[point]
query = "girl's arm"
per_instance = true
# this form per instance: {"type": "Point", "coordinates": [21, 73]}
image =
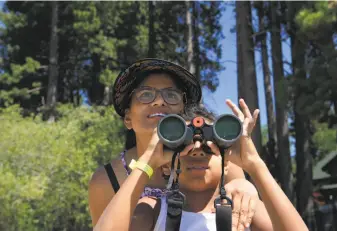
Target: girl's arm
{"type": "Point", "coordinates": [281, 211]}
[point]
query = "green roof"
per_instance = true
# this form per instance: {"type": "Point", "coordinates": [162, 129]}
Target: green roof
{"type": "Point", "coordinates": [329, 186]}
{"type": "Point", "coordinates": [318, 173]}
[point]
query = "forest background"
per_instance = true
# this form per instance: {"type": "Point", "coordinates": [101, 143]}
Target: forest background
{"type": "Point", "coordinates": [59, 60]}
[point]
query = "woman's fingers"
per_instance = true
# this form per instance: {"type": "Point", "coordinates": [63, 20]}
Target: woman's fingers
{"type": "Point", "coordinates": [214, 148]}
{"type": "Point", "coordinates": [197, 144]}
{"type": "Point", "coordinates": [237, 197]}
{"type": "Point", "coordinates": [251, 211]}
{"type": "Point", "coordinates": [186, 150]}
{"type": "Point", "coordinates": [243, 212]}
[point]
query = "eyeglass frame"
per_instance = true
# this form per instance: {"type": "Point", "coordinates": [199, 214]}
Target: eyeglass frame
{"type": "Point", "coordinates": [183, 94]}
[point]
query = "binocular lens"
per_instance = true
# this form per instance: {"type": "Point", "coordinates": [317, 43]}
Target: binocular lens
{"type": "Point", "coordinates": [172, 128]}
{"type": "Point", "coordinates": [228, 127]}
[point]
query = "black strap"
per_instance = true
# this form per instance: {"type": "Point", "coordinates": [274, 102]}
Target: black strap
{"type": "Point", "coordinates": [174, 198]}
{"type": "Point", "coordinates": [175, 202]}
{"type": "Point", "coordinates": [223, 205]}
{"type": "Point", "coordinates": [223, 217]}
{"type": "Point", "coordinates": [170, 182]}
{"type": "Point", "coordinates": [112, 177]}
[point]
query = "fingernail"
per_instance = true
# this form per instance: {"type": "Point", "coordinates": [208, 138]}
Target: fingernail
{"type": "Point", "coordinates": [247, 225]}
{"type": "Point", "coordinates": [197, 144]}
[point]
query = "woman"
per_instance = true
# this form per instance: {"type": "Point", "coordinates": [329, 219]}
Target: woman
{"type": "Point", "coordinates": [144, 93]}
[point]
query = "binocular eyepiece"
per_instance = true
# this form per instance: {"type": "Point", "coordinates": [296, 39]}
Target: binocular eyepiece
{"type": "Point", "coordinates": [176, 134]}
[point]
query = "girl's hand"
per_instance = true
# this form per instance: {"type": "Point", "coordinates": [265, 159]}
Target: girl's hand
{"type": "Point", "coordinates": [244, 154]}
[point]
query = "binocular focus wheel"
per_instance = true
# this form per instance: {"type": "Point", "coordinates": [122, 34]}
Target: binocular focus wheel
{"type": "Point", "coordinates": [198, 122]}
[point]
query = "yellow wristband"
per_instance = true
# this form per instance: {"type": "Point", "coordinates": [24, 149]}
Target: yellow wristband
{"type": "Point", "coordinates": [142, 166]}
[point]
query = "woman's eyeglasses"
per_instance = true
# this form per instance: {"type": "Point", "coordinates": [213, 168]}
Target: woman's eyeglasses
{"type": "Point", "coordinates": [148, 95]}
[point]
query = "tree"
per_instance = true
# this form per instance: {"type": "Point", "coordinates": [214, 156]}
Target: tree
{"type": "Point", "coordinates": [246, 64]}
{"type": "Point", "coordinates": [53, 64]}
{"type": "Point", "coordinates": [152, 34]}
{"type": "Point", "coordinates": [281, 102]}
{"type": "Point", "coordinates": [190, 37]}
{"type": "Point", "coordinates": [261, 41]}
{"type": "Point", "coordinates": [302, 123]}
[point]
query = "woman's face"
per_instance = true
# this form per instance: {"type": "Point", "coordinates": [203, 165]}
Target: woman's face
{"type": "Point", "coordinates": [144, 117]}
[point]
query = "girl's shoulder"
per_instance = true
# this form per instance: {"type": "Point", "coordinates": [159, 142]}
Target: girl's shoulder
{"type": "Point", "coordinates": [146, 214]}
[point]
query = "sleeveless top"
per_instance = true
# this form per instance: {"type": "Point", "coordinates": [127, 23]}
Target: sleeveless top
{"type": "Point", "coordinates": [148, 191]}
{"type": "Point", "coordinates": [189, 221]}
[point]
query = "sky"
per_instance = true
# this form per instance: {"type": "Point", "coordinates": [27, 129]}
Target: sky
{"type": "Point", "coordinates": [227, 88]}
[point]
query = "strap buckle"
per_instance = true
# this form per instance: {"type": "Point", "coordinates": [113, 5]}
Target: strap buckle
{"type": "Point", "coordinates": [175, 201]}
{"type": "Point", "coordinates": [219, 201]}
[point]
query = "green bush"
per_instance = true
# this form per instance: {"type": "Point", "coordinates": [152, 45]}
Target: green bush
{"type": "Point", "coordinates": [45, 167]}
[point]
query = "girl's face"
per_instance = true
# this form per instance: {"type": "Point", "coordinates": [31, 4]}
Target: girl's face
{"type": "Point", "coordinates": [154, 98]}
{"type": "Point", "coordinates": [200, 171]}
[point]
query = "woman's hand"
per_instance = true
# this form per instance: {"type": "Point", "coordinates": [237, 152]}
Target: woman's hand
{"type": "Point", "coordinates": [155, 154]}
{"type": "Point", "coordinates": [245, 198]}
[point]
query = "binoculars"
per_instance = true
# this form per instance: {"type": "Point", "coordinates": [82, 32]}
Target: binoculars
{"type": "Point", "coordinates": [175, 134]}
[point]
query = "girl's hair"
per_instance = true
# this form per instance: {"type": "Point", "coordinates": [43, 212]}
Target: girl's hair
{"type": "Point", "coordinates": [194, 110]}
{"type": "Point", "coordinates": [189, 113]}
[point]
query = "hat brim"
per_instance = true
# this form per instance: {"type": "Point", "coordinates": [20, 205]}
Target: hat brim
{"type": "Point", "coordinates": [127, 79]}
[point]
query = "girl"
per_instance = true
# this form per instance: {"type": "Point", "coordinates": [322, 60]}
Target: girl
{"type": "Point", "coordinates": [199, 182]}
{"type": "Point", "coordinates": [142, 95]}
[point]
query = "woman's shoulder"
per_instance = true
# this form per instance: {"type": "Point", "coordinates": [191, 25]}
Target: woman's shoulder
{"type": "Point", "coordinates": [101, 177]}
{"type": "Point", "coordinates": [101, 190]}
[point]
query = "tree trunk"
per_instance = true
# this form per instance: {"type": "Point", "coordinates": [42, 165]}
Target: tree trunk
{"type": "Point", "coordinates": [280, 92]}
{"type": "Point", "coordinates": [303, 156]}
{"type": "Point", "coordinates": [246, 62]}
{"type": "Point", "coordinates": [107, 96]}
{"type": "Point", "coordinates": [53, 64]}
{"type": "Point", "coordinates": [196, 45]}
{"type": "Point", "coordinates": [272, 140]}
{"type": "Point", "coordinates": [239, 56]}
{"type": "Point", "coordinates": [189, 24]}
{"type": "Point", "coordinates": [96, 88]}
{"type": "Point", "coordinates": [152, 35]}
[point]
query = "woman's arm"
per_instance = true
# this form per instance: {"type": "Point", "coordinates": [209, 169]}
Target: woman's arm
{"type": "Point", "coordinates": [118, 213]}
{"type": "Point", "coordinates": [100, 194]}
{"type": "Point", "coordinates": [100, 189]}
